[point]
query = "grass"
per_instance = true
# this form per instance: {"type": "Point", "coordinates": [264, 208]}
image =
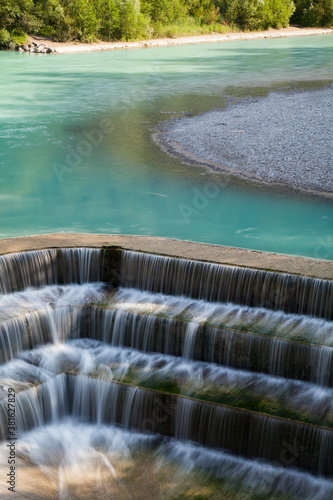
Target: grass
{"type": "Point", "coordinates": [190, 28]}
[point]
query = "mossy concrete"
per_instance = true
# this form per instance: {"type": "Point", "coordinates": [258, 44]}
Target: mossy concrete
{"type": "Point", "coordinates": [302, 266]}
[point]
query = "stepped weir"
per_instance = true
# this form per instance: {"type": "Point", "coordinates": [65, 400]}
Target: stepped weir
{"type": "Point", "coordinates": [222, 369]}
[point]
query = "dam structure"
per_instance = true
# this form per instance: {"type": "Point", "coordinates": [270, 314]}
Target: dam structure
{"type": "Point", "coordinates": [220, 362]}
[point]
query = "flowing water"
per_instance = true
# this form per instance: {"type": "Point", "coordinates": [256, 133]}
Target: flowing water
{"type": "Point", "coordinates": [59, 172]}
{"type": "Point", "coordinates": [191, 385]}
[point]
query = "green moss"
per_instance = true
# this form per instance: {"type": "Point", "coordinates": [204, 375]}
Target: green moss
{"type": "Point", "coordinates": [234, 397]}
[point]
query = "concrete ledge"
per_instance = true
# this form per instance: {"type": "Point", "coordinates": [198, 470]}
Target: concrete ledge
{"type": "Point", "coordinates": [302, 266]}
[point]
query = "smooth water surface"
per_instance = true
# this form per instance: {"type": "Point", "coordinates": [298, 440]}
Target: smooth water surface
{"type": "Point", "coordinates": [59, 173]}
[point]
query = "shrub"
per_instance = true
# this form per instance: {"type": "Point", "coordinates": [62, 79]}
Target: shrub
{"type": "Point", "coordinates": [82, 20]}
{"type": "Point", "coordinates": [206, 11]}
{"type": "Point", "coordinates": [87, 20]}
{"type": "Point", "coordinates": [314, 12]}
{"type": "Point", "coordinates": [46, 30]}
{"type": "Point", "coordinates": [18, 37]}
{"type": "Point", "coordinates": [276, 13]}
{"type": "Point", "coordinates": [245, 13]}
{"type": "Point", "coordinates": [5, 38]}
{"type": "Point", "coordinates": [164, 11]}
{"type": "Point", "coordinates": [10, 39]}
{"type": "Point", "coordinates": [109, 15]}
{"type": "Point", "coordinates": [131, 23]}
{"type": "Point", "coordinates": [260, 14]}
{"type": "Point", "coordinates": [18, 15]}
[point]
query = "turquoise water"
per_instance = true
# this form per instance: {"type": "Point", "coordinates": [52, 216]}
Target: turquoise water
{"type": "Point", "coordinates": [57, 173]}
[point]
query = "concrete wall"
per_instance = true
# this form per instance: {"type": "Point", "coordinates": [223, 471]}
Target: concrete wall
{"type": "Point", "coordinates": [302, 266]}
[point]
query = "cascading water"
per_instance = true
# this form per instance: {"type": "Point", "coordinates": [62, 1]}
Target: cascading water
{"type": "Point", "coordinates": [208, 368]}
{"type": "Point", "coordinates": [220, 283]}
{"type": "Point", "coordinates": [47, 267]}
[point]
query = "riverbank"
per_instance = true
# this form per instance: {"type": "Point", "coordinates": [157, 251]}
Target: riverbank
{"type": "Point", "coordinates": [73, 47]}
{"type": "Point", "coordinates": [282, 140]}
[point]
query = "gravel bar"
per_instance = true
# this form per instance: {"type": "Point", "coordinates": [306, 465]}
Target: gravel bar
{"type": "Point", "coordinates": [284, 139]}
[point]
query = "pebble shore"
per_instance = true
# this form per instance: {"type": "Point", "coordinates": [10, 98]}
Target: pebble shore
{"type": "Point", "coordinates": [72, 47]}
{"type": "Point", "coordinates": [283, 139]}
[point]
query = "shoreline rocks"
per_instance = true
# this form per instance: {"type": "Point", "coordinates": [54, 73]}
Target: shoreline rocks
{"type": "Point", "coordinates": [35, 48]}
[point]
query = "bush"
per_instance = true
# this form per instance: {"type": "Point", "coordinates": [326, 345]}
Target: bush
{"type": "Point", "coordinates": [245, 13]}
{"type": "Point", "coordinates": [314, 13]}
{"type": "Point", "coordinates": [125, 21]}
{"type": "Point", "coordinates": [109, 15]}
{"type": "Point", "coordinates": [206, 11]}
{"type": "Point", "coordinates": [18, 37]}
{"type": "Point", "coordinates": [260, 14]}
{"type": "Point", "coordinates": [18, 15]}
{"type": "Point", "coordinates": [82, 20]}
{"type": "Point", "coordinates": [46, 30]}
{"type": "Point", "coordinates": [276, 13]}
{"type": "Point", "coordinates": [165, 11]}
{"type": "Point", "coordinates": [9, 40]}
{"type": "Point", "coordinates": [132, 23]}
{"type": "Point", "coordinates": [87, 20]}
{"type": "Point", "coordinates": [5, 38]}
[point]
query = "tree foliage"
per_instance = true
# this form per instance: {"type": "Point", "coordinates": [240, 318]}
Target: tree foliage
{"type": "Point", "coordinates": [260, 14]}
{"type": "Point", "coordinates": [87, 20]}
{"type": "Point", "coordinates": [314, 12]}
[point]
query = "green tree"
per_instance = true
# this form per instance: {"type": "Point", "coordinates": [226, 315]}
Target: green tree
{"type": "Point", "coordinates": [165, 11]}
{"type": "Point", "coordinates": [277, 13]}
{"type": "Point", "coordinates": [109, 16]}
{"type": "Point", "coordinates": [132, 23]}
{"type": "Point", "coordinates": [245, 13]}
{"type": "Point", "coordinates": [260, 14]}
{"type": "Point", "coordinates": [84, 23]}
{"type": "Point", "coordinates": [18, 15]}
{"type": "Point", "coordinates": [314, 12]}
{"type": "Point", "coordinates": [206, 11]}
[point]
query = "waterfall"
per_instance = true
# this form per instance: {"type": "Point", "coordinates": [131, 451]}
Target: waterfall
{"type": "Point", "coordinates": [19, 271]}
{"type": "Point", "coordinates": [229, 368]}
{"type": "Point", "coordinates": [253, 435]}
{"type": "Point", "coordinates": [256, 477]}
{"type": "Point", "coordinates": [149, 333]}
{"type": "Point", "coordinates": [242, 432]}
{"type": "Point", "coordinates": [214, 282]}
{"type": "Point", "coordinates": [189, 340]}
{"type": "Point", "coordinates": [27, 332]}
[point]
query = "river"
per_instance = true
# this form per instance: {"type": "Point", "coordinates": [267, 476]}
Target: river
{"type": "Point", "coordinates": [77, 154]}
